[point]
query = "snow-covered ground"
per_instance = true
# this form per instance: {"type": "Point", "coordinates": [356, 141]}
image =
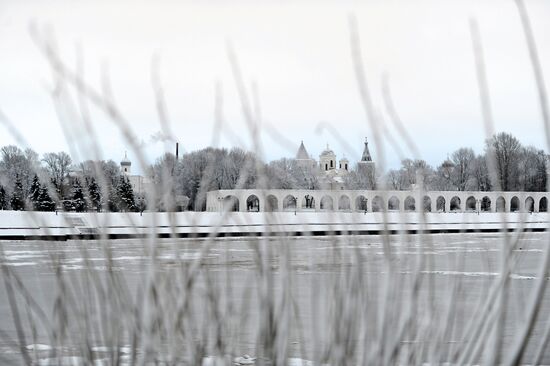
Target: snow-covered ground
{"type": "Point", "coordinates": [21, 225]}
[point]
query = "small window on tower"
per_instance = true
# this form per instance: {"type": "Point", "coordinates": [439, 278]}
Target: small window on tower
{"type": "Point", "coordinates": [326, 166]}
{"type": "Point", "coordinates": [125, 170]}
{"type": "Point", "coordinates": [340, 166]}
{"type": "Point", "coordinates": [346, 166]}
{"type": "Point", "coordinates": [331, 164]}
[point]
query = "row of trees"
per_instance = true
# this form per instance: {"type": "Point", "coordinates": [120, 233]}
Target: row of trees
{"type": "Point", "coordinates": [27, 182]}
{"type": "Point", "coordinates": [53, 182]}
{"type": "Point", "coordinates": [505, 165]}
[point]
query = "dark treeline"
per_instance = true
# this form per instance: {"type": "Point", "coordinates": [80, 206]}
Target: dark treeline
{"type": "Point", "coordinates": [54, 182]}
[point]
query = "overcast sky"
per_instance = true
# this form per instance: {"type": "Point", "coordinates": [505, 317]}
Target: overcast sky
{"type": "Point", "coordinates": [297, 53]}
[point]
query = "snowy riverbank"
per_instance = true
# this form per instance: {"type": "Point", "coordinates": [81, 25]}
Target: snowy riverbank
{"type": "Point", "coordinates": [17, 225]}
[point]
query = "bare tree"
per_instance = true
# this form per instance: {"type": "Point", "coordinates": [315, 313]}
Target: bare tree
{"type": "Point", "coordinates": [532, 169]}
{"type": "Point", "coordinates": [463, 160]}
{"type": "Point", "coordinates": [394, 180]}
{"type": "Point", "coordinates": [442, 178]}
{"type": "Point", "coordinates": [506, 150]}
{"type": "Point", "coordinates": [58, 165]}
{"type": "Point", "coordinates": [481, 180]}
{"type": "Point", "coordinates": [281, 174]}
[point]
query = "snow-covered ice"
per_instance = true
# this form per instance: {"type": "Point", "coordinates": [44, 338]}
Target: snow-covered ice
{"type": "Point", "coordinates": [21, 224]}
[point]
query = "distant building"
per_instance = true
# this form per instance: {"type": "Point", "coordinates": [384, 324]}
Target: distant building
{"type": "Point", "coordinates": [366, 168]}
{"type": "Point", "coordinates": [140, 184]}
{"type": "Point", "coordinates": [335, 173]}
{"type": "Point", "coordinates": [303, 158]}
{"type": "Point", "coordinates": [144, 187]}
{"type": "Point", "coordinates": [126, 165]}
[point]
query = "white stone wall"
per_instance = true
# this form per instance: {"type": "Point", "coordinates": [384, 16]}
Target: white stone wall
{"type": "Point", "coordinates": [225, 199]}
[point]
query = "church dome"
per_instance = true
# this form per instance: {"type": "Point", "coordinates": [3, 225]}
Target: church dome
{"type": "Point", "coordinates": [327, 152]}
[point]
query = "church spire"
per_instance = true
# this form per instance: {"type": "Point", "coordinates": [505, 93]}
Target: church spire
{"type": "Point", "coordinates": [302, 152]}
{"type": "Point", "coordinates": [366, 153]}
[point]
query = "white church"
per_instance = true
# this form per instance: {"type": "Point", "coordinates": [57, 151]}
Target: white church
{"type": "Point", "coordinates": [335, 173]}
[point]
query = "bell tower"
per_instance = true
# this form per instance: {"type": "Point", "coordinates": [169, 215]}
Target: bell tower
{"type": "Point", "coordinates": [126, 165]}
{"type": "Point", "coordinates": [366, 168]}
{"type": "Point", "coordinates": [327, 160]}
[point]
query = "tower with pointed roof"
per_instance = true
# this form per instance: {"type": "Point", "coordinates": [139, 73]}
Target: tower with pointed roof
{"type": "Point", "coordinates": [366, 168]}
{"type": "Point", "coordinates": [302, 157]}
{"type": "Point", "coordinates": [366, 153]}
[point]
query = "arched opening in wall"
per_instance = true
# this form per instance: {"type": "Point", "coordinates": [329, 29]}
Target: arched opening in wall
{"type": "Point", "coordinates": [253, 203]}
{"type": "Point", "coordinates": [501, 204]}
{"type": "Point", "coordinates": [361, 203]}
{"type": "Point", "coordinates": [440, 204]}
{"type": "Point", "coordinates": [486, 204]}
{"type": "Point", "coordinates": [514, 204]}
{"type": "Point", "coordinates": [326, 203]}
{"type": "Point", "coordinates": [471, 203]}
{"type": "Point", "coordinates": [308, 202]}
{"type": "Point", "coordinates": [543, 204]}
{"type": "Point", "coordinates": [271, 204]}
{"type": "Point", "coordinates": [344, 203]}
{"type": "Point", "coordinates": [427, 204]}
{"type": "Point", "coordinates": [409, 204]}
{"type": "Point", "coordinates": [455, 204]}
{"type": "Point", "coordinates": [231, 204]}
{"type": "Point", "coordinates": [529, 204]}
{"type": "Point", "coordinates": [377, 204]}
{"type": "Point", "coordinates": [393, 203]}
{"type": "Point", "coordinates": [289, 203]}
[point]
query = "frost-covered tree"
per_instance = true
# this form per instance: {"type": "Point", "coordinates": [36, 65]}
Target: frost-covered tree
{"type": "Point", "coordinates": [406, 177]}
{"type": "Point", "coordinates": [16, 162]}
{"type": "Point", "coordinates": [281, 174]}
{"type": "Point", "coordinates": [3, 199]}
{"type": "Point", "coordinates": [125, 193]}
{"type": "Point", "coordinates": [201, 171]}
{"type": "Point", "coordinates": [45, 201]}
{"type": "Point", "coordinates": [34, 193]}
{"type": "Point", "coordinates": [105, 176]}
{"type": "Point", "coordinates": [77, 196]}
{"type": "Point", "coordinates": [360, 178]}
{"type": "Point", "coordinates": [17, 201]}
{"type": "Point", "coordinates": [94, 193]}
{"type": "Point", "coordinates": [112, 199]}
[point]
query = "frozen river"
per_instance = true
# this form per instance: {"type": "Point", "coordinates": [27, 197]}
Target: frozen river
{"type": "Point", "coordinates": [307, 281]}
